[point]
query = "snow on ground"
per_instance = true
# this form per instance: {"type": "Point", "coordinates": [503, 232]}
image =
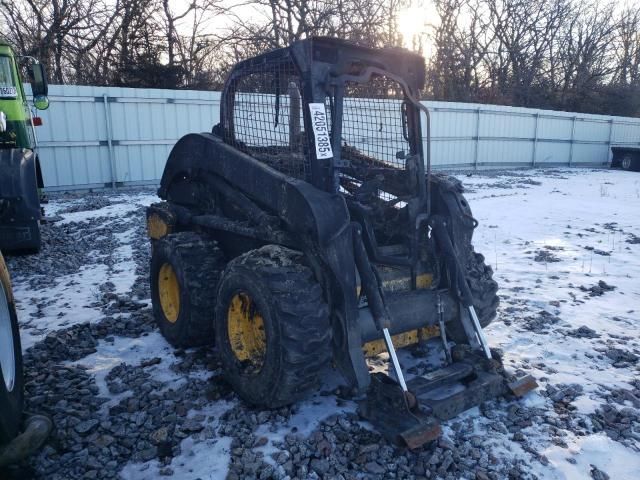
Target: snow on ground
{"type": "Point", "coordinates": [72, 297]}
{"type": "Point", "coordinates": [549, 244]}
{"type": "Point", "coordinates": [564, 247]}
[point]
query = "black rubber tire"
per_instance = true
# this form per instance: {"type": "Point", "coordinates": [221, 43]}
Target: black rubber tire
{"type": "Point", "coordinates": [296, 324]}
{"type": "Point", "coordinates": [626, 162]}
{"type": "Point", "coordinates": [485, 295]}
{"type": "Point", "coordinates": [11, 402]}
{"type": "Point", "coordinates": [197, 263]}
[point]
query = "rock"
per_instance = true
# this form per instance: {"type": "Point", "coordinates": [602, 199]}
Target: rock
{"type": "Point", "coordinates": [159, 436]}
{"type": "Point", "coordinates": [323, 448]}
{"type": "Point", "coordinates": [445, 443]}
{"type": "Point", "coordinates": [480, 475]}
{"type": "Point", "coordinates": [104, 440]}
{"type": "Point", "coordinates": [598, 474]}
{"type": "Point", "coordinates": [150, 362]}
{"type": "Point", "coordinates": [599, 289]}
{"type": "Point", "coordinates": [545, 255]}
{"type": "Point", "coordinates": [87, 426]}
{"type": "Point", "coordinates": [192, 426]}
{"type": "Point", "coordinates": [320, 466]}
{"type": "Point", "coordinates": [282, 457]}
{"type": "Point", "coordinates": [261, 441]}
{"type": "Point", "coordinates": [372, 447]}
{"type": "Point", "coordinates": [147, 454]}
{"type": "Point", "coordinates": [619, 355]}
{"type": "Point", "coordinates": [374, 467]}
{"type": "Point", "coordinates": [583, 332]}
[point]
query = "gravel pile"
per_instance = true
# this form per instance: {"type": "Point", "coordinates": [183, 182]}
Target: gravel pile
{"type": "Point", "coordinates": [541, 322]}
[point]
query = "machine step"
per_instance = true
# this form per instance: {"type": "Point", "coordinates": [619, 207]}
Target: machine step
{"type": "Point", "coordinates": [437, 378]}
{"type": "Point", "coordinates": [449, 400]}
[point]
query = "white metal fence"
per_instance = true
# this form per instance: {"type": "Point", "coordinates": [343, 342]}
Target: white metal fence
{"type": "Point", "coordinates": [93, 136]}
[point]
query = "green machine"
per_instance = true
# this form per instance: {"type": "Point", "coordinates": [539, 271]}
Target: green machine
{"type": "Point", "coordinates": [20, 173]}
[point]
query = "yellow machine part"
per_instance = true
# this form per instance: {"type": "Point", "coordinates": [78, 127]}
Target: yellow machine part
{"type": "Point", "coordinates": [169, 292]}
{"type": "Point", "coordinates": [157, 227]}
{"type": "Point", "coordinates": [376, 347]}
{"type": "Point", "coordinates": [245, 327]}
{"type": "Point", "coordinates": [5, 279]}
{"type": "Point", "coordinates": [422, 281]}
{"type": "Point", "coordinates": [403, 283]}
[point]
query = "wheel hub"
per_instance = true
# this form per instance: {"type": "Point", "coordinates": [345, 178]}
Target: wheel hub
{"type": "Point", "coordinates": [247, 336]}
{"type": "Point", "coordinates": [169, 292]}
{"type": "Point", "coordinates": [7, 353]}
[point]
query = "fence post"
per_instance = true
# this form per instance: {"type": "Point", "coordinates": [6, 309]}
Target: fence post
{"type": "Point", "coordinates": [573, 132]}
{"type": "Point", "coordinates": [535, 140]}
{"type": "Point", "coordinates": [475, 153]}
{"type": "Point", "coordinates": [112, 160]}
{"type": "Point", "coordinates": [610, 139]}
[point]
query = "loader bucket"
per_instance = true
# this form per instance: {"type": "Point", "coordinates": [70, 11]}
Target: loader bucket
{"type": "Point", "coordinates": [413, 420]}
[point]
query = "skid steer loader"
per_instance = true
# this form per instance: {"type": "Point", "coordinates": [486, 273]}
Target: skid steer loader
{"type": "Point", "coordinates": [308, 228]}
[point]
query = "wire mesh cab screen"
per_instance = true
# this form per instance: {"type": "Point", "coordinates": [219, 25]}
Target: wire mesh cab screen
{"type": "Point", "coordinates": [375, 147]}
{"type": "Point", "coordinates": [267, 119]}
{"type": "Point", "coordinates": [374, 129]}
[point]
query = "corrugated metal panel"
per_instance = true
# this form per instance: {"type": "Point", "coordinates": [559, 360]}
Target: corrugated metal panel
{"type": "Point", "coordinates": [146, 123]}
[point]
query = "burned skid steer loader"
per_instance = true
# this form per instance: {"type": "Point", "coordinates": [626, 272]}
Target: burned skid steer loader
{"type": "Point", "coordinates": [305, 229]}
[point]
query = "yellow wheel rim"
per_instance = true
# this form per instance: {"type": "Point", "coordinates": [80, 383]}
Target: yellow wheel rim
{"type": "Point", "coordinates": [169, 291]}
{"type": "Point", "coordinates": [245, 327]}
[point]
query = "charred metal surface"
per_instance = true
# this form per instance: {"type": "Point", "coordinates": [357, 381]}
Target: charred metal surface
{"type": "Point", "coordinates": [215, 223]}
{"type": "Point", "coordinates": [432, 380]}
{"type": "Point", "coordinates": [470, 380]}
{"type": "Point", "coordinates": [410, 310]}
{"type": "Point", "coordinates": [447, 401]}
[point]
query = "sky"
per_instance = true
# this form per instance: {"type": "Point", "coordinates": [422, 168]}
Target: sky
{"type": "Point", "coordinates": [417, 18]}
{"type": "Point", "coordinates": [411, 20]}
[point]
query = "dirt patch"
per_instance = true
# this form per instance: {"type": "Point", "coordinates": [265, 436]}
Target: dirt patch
{"type": "Point", "coordinates": [599, 289]}
{"type": "Point", "coordinates": [633, 239]}
{"type": "Point", "coordinates": [546, 255]}
{"type": "Point", "coordinates": [598, 252]}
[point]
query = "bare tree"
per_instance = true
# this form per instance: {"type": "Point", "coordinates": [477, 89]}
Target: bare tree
{"type": "Point", "coordinates": [460, 48]}
{"type": "Point", "coordinates": [56, 30]}
{"type": "Point", "coordinates": [524, 31]}
{"type": "Point", "coordinates": [627, 48]}
{"type": "Point", "coordinates": [586, 54]}
{"type": "Point", "coordinates": [563, 54]}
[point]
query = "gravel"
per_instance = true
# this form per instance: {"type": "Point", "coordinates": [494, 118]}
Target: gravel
{"type": "Point", "coordinates": [599, 289]}
{"type": "Point", "coordinates": [137, 415]}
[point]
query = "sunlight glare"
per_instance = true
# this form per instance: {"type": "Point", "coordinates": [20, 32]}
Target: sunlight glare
{"type": "Point", "coordinates": [411, 24]}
